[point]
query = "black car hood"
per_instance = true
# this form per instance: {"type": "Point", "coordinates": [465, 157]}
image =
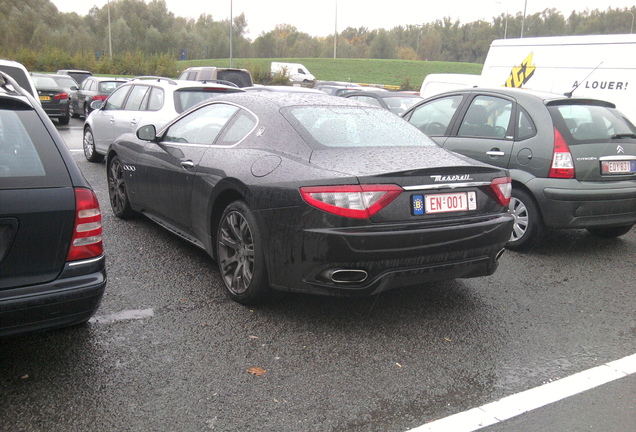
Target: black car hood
{"type": "Point", "coordinates": [381, 160]}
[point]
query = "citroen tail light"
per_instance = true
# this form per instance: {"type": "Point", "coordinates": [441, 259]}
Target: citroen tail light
{"type": "Point", "coordinates": [562, 162]}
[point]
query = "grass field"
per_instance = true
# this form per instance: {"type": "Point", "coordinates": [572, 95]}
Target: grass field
{"type": "Point", "coordinates": [404, 73]}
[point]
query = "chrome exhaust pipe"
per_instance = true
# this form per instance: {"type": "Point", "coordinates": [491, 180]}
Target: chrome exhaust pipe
{"type": "Point", "coordinates": [499, 254]}
{"type": "Point", "coordinates": [350, 276]}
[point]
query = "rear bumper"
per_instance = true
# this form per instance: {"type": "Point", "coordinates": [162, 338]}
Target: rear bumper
{"type": "Point", "coordinates": [373, 259]}
{"type": "Point", "coordinates": [574, 204]}
{"type": "Point", "coordinates": [56, 111]}
{"type": "Point", "coordinates": [55, 304]}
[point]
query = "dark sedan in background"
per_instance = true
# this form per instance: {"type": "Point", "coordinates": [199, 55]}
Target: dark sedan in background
{"type": "Point", "coordinates": [52, 266]}
{"type": "Point", "coordinates": [54, 98]}
{"type": "Point", "coordinates": [311, 193]}
{"type": "Point", "coordinates": [92, 89]}
{"type": "Point", "coordinates": [396, 102]}
{"type": "Point", "coordinates": [572, 161]}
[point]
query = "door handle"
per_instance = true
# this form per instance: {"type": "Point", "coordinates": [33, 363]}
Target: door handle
{"type": "Point", "coordinates": [187, 164]}
{"type": "Point", "coordinates": [495, 152]}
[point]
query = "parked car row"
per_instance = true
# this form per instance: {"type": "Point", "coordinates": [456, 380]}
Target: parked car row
{"type": "Point", "coordinates": [291, 189]}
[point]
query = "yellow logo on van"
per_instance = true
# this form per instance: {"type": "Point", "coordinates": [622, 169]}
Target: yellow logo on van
{"type": "Point", "coordinates": [519, 75]}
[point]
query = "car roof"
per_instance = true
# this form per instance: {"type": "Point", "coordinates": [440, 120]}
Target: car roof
{"type": "Point", "coordinates": [520, 94]}
{"type": "Point", "coordinates": [267, 101]}
{"type": "Point", "coordinates": [102, 78]}
{"type": "Point", "coordinates": [178, 84]}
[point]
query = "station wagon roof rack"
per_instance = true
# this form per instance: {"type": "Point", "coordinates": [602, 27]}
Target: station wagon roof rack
{"type": "Point", "coordinates": [217, 81]}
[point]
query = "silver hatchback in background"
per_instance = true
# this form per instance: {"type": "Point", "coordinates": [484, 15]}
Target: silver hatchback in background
{"type": "Point", "coordinates": [143, 100]}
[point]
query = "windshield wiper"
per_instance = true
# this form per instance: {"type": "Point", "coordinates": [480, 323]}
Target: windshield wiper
{"type": "Point", "coordinates": [623, 135]}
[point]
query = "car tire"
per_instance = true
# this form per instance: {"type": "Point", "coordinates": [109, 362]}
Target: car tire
{"type": "Point", "coordinates": [240, 256]}
{"type": "Point", "coordinates": [71, 111]}
{"type": "Point", "coordinates": [89, 147]}
{"type": "Point", "coordinates": [117, 190]}
{"type": "Point", "coordinates": [610, 232]}
{"type": "Point", "coordinates": [64, 120]}
{"type": "Point", "coordinates": [528, 227]}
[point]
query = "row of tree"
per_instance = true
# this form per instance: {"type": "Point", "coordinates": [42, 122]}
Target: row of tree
{"type": "Point", "coordinates": [137, 26]}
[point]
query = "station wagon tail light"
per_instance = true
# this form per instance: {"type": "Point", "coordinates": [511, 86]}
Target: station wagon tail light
{"type": "Point", "coordinates": [562, 162]}
{"type": "Point", "coordinates": [99, 97]}
{"type": "Point", "coordinates": [87, 233]}
{"type": "Point", "coordinates": [352, 201]}
{"type": "Point", "coordinates": [502, 190]}
{"type": "Point", "coordinates": [61, 96]}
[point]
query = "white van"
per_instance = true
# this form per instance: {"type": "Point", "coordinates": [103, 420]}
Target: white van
{"type": "Point", "coordinates": [438, 83]}
{"type": "Point", "coordinates": [297, 73]}
{"type": "Point", "coordinates": [597, 66]}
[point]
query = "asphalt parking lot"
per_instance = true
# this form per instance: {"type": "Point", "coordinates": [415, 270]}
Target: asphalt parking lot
{"type": "Point", "coordinates": [168, 351]}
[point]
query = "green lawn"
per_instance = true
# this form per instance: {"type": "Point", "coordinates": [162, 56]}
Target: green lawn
{"type": "Point", "coordinates": [385, 72]}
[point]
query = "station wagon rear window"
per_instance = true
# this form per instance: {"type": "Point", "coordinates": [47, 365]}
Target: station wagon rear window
{"type": "Point", "coordinates": [28, 156]}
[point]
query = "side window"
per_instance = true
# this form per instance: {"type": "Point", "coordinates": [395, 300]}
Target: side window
{"type": "Point", "coordinates": [201, 126]}
{"type": "Point", "coordinates": [434, 117]}
{"type": "Point", "coordinates": [116, 99]}
{"type": "Point", "coordinates": [525, 125]}
{"type": "Point", "coordinates": [487, 117]}
{"type": "Point", "coordinates": [86, 85]}
{"type": "Point", "coordinates": [155, 101]}
{"type": "Point", "coordinates": [136, 97]}
{"type": "Point", "coordinates": [243, 124]}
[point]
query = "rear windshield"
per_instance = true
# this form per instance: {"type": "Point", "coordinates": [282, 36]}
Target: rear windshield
{"type": "Point", "coordinates": [185, 99]}
{"type": "Point", "coordinates": [79, 76]}
{"type": "Point", "coordinates": [28, 156]}
{"type": "Point", "coordinates": [590, 122]}
{"type": "Point", "coordinates": [324, 126]}
{"type": "Point", "coordinates": [109, 86]}
{"type": "Point", "coordinates": [238, 77]}
{"type": "Point", "coordinates": [41, 81]}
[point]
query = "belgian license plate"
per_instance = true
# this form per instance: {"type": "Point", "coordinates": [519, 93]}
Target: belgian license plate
{"type": "Point", "coordinates": [45, 98]}
{"type": "Point", "coordinates": [618, 167]}
{"type": "Point", "coordinates": [443, 203]}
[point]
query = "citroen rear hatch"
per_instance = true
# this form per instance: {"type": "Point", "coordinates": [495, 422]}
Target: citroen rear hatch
{"type": "Point", "coordinates": [599, 138]}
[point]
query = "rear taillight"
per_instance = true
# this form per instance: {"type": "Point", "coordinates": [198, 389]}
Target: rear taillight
{"type": "Point", "coordinates": [87, 233]}
{"type": "Point", "coordinates": [354, 201]}
{"type": "Point", "coordinates": [562, 162]}
{"type": "Point", "coordinates": [99, 97]}
{"type": "Point", "coordinates": [502, 190]}
{"type": "Point", "coordinates": [61, 96]}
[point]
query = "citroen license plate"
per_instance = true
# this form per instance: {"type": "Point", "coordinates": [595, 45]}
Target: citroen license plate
{"type": "Point", "coordinates": [618, 167]}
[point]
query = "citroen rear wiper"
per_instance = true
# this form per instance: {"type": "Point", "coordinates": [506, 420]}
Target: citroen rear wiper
{"type": "Point", "coordinates": [623, 135]}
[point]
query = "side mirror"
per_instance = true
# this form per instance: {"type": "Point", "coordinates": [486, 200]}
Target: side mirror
{"type": "Point", "coordinates": [147, 133]}
{"type": "Point", "coordinates": [97, 104]}
{"type": "Point", "coordinates": [73, 87]}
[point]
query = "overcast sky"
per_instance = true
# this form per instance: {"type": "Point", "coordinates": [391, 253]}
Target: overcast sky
{"type": "Point", "coordinates": [319, 18]}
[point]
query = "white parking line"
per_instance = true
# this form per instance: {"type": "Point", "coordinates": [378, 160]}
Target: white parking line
{"type": "Point", "coordinates": [520, 403]}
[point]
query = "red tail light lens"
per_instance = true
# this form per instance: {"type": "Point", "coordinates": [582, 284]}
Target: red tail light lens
{"type": "Point", "coordinates": [562, 162]}
{"type": "Point", "coordinates": [87, 234]}
{"type": "Point", "coordinates": [354, 201]}
{"type": "Point", "coordinates": [61, 96]}
{"type": "Point", "coordinates": [502, 190]}
{"type": "Point", "coordinates": [99, 97]}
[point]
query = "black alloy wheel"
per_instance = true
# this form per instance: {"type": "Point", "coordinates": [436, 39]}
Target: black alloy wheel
{"type": "Point", "coordinates": [89, 147]}
{"type": "Point", "coordinates": [240, 256]}
{"type": "Point", "coordinates": [117, 191]}
{"type": "Point", "coordinates": [528, 227]}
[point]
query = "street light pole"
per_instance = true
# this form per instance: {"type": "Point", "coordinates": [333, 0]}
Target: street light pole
{"type": "Point", "coordinates": [335, 32]}
{"type": "Point", "coordinates": [523, 21]}
{"type": "Point", "coordinates": [110, 39]}
{"type": "Point", "coordinates": [231, 19]}
{"type": "Point", "coordinates": [631, 30]}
